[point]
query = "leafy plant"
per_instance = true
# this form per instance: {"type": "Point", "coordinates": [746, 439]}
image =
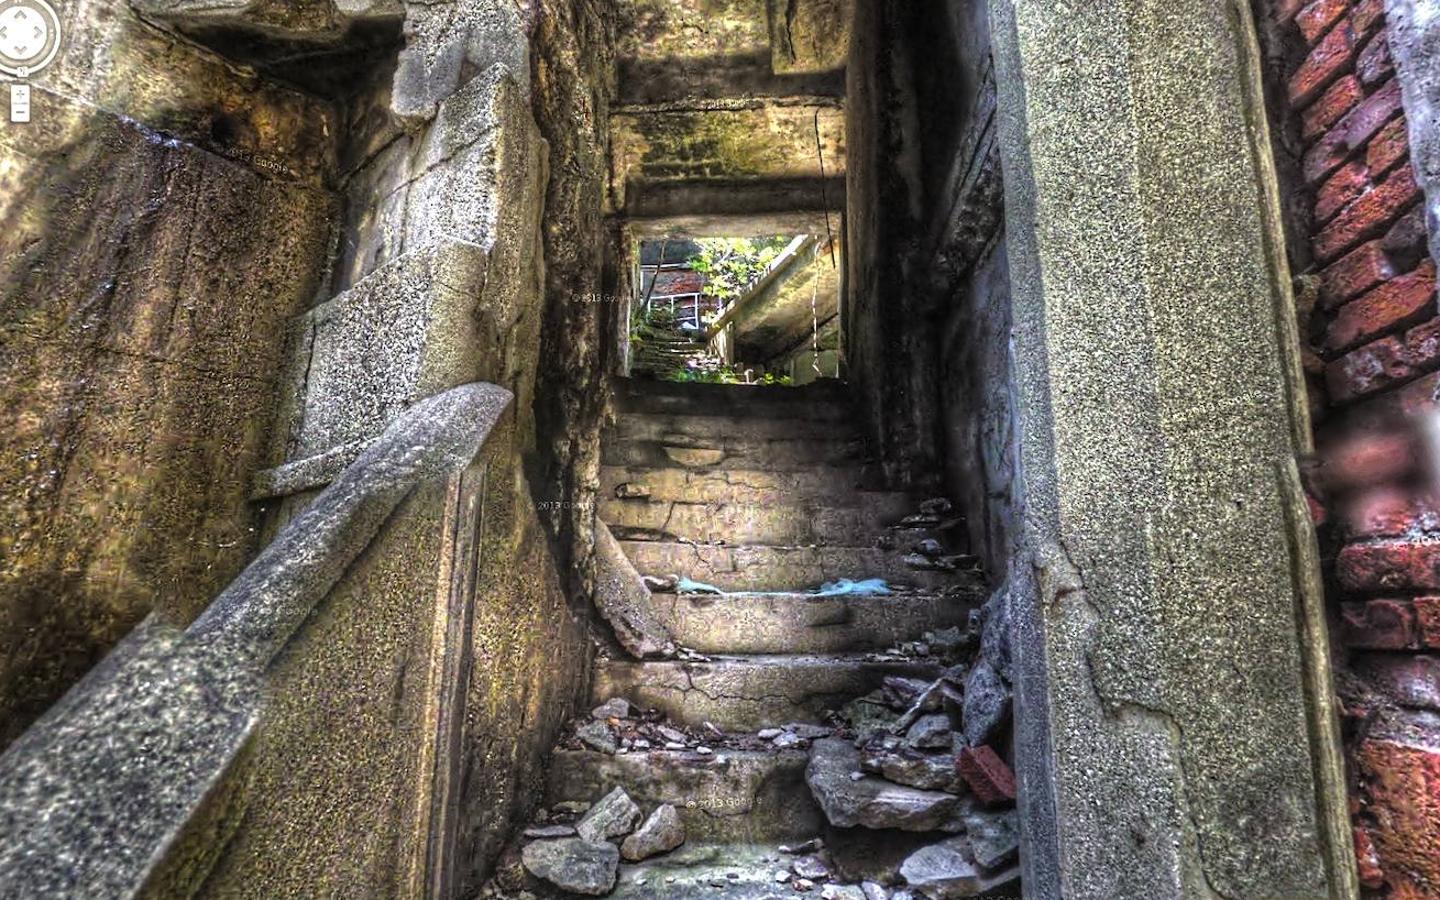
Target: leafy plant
{"type": "Point", "coordinates": [731, 264]}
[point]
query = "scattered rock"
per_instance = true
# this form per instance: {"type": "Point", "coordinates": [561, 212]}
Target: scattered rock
{"type": "Point", "coordinates": [661, 833]}
{"type": "Point", "coordinates": [987, 775]}
{"type": "Point", "coordinates": [574, 864]}
{"type": "Point", "coordinates": [673, 735]}
{"type": "Point", "coordinates": [868, 715]}
{"type": "Point", "coordinates": [809, 846]}
{"type": "Point", "coordinates": [808, 731]}
{"type": "Point", "coordinates": [901, 692]}
{"type": "Point", "coordinates": [986, 706]}
{"type": "Point", "coordinates": [783, 877]}
{"type": "Point", "coordinates": [597, 736]}
{"type": "Point", "coordinates": [927, 771]}
{"type": "Point", "coordinates": [930, 547]}
{"type": "Point", "coordinates": [769, 734]}
{"type": "Point", "coordinates": [541, 832]}
{"type": "Point", "coordinates": [788, 740]}
{"type": "Point", "coordinates": [994, 837]}
{"type": "Point", "coordinates": [613, 816]}
{"type": "Point", "coordinates": [811, 867]}
{"type": "Point", "coordinates": [614, 708]}
{"type": "Point", "coordinates": [930, 732]}
{"type": "Point", "coordinates": [936, 506]}
{"type": "Point", "coordinates": [841, 892]}
{"type": "Point", "coordinates": [873, 802]}
{"type": "Point", "coordinates": [661, 584]}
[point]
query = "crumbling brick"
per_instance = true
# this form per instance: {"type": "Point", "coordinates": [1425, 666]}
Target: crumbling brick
{"type": "Point", "coordinates": [1338, 100]}
{"type": "Point", "coordinates": [1331, 57]}
{"type": "Point", "coordinates": [1369, 216]}
{"type": "Point", "coordinates": [1352, 132]}
{"type": "Point", "coordinates": [989, 778]}
{"type": "Point", "coordinates": [1395, 304]}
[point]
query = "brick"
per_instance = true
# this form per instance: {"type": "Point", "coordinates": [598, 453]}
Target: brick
{"type": "Point", "coordinates": [1368, 216]}
{"type": "Point", "coordinates": [1367, 862]}
{"type": "Point", "coordinates": [1385, 566]}
{"type": "Point", "coordinates": [1408, 240]}
{"type": "Point", "coordinates": [1389, 146]}
{"type": "Point", "coordinates": [1286, 10]}
{"type": "Point", "coordinates": [1339, 99]}
{"type": "Point", "coordinates": [1378, 625]}
{"type": "Point", "coordinates": [1359, 271]}
{"type": "Point", "coordinates": [1345, 186]}
{"type": "Point", "coordinates": [985, 772]}
{"type": "Point", "coordinates": [1411, 680]}
{"type": "Point", "coordinates": [1401, 784]}
{"type": "Point", "coordinates": [1319, 15]}
{"type": "Point", "coordinates": [1367, 15]}
{"type": "Point", "coordinates": [1390, 511]}
{"type": "Point", "coordinates": [1427, 622]}
{"type": "Point", "coordinates": [1399, 302]}
{"type": "Point", "coordinates": [1368, 458]}
{"type": "Point", "coordinates": [1367, 370]}
{"type": "Point", "coordinates": [1373, 64]}
{"type": "Point", "coordinates": [1353, 131]}
{"type": "Point", "coordinates": [1333, 56]}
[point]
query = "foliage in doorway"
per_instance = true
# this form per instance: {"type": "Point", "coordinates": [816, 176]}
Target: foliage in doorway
{"type": "Point", "coordinates": [731, 264]}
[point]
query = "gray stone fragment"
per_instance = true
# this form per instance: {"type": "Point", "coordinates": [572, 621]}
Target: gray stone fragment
{"type": "Point", "coordinates": [574, 864]}
{"type": "Point", "coordinates": [927, 771]}
{"type": "Point", "coordinates": [942, 872]}
{"type": "Point", "coordinates": [986, 705]}
{"type": "Point", "coordinates": [873, 802]}
{"type": "Point", "coordinates": [614, 708]}
{"type": "Point", "coordinates": [541, 832]}
{"type": "Point", "coordinates": [661, 833]}
{"type": "Point", "coordinates": [930, 732]}
{"type": "Point", "coordinates": [597, 736]}
{"type": "Point", "coordinates": [615, 815]}
{"type": "Point", "coordinates": [994, 837]}
{"type": "Point", "coordinates": [874, 891]}
{"type": "Point", "coordinates": [811, 867]}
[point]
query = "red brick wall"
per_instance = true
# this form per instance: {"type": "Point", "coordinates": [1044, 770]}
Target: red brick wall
{"type": "Point", "coordinates": [1374, 365]}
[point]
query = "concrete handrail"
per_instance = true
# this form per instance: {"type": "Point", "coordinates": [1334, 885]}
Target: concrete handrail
{"type": "Point", "coordinates": [788, 257]}
{"type": "Point", "coordinates": [127, 786]}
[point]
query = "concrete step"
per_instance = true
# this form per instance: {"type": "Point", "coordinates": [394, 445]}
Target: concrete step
{"type": "Point", "coordinates": [859, 525]}
{"type": "Point", "coordinates": [729, 796]}
{"type": "Point", "coordinates": [823, 400]}
{"type": "Point", "coordinates": [827, 485]}
{"type": "Point", "coordinates": [731, 452]}
{"type": "Point", "coordinates": [704, 871]}
{"type": "Point", "coordinates": [779, 568]}
{"type": "Point", "coordinates": [722, 429]}
{"type": "Point", "coordinates": [804, 623]}
{"type": "Point", "coordinates": [748, 693]}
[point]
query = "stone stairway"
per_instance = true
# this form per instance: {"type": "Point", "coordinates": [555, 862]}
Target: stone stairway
{"type": "Point", "coordinates": [764, 494]}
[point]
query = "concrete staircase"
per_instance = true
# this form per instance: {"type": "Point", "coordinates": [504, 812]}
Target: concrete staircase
{"type": "Point", "coordinates": [765, 494]}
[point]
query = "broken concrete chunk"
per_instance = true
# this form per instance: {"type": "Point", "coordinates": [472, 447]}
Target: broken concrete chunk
{"type": "Point", "coordinates": [661, 833]}
{"type": "Point", "coordinates": [930, 732]}
{"type": "Point", "coordinates": [942, 871]}
{"type": "Point", "coordinates": [994, 837]}
{"type": "Point", "coordinates": [614, 708]}
{"type": "Point", "coordinates": [597, 736]}
{"type": "Point", "coordinates": [574, 864]}
{"type": "Point", "coordinates": [927, 771]}
{"type": "Point", "coordinates": [615, 815]}
{"type": "Point", "coordinates": [986, 704]}
{"type": "Point", "coordinates": [873, 802]}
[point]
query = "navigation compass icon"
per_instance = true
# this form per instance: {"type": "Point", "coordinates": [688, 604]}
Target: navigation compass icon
{"type": "Point", "coordinates": [29, 36]}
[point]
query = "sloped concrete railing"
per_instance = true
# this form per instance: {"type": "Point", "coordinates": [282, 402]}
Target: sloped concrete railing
{"type": "Point", "coordinates": [128, 786]}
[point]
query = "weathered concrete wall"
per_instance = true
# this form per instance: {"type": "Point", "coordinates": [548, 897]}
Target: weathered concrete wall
{"type": "Point", "coordinates": [585, 309]}
{"type": "Point", "coordinates": [1176, 721]}
{"type": "Point", "coordinates": [163, 216]}
{"type": "Point", "coordinates": [1354, 97]}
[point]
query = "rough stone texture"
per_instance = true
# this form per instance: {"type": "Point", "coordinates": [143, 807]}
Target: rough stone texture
{"type": "Point", "coordinates": [585, 322]}
{"type": "Point", "coordinates": [624, 601]}
{"type": "Point", "coordinates": [1166, 529]}
{"type": "Point", "coordinates": [141, 758]}
{"type": "Point", "coordinates": [140, 345]}
{"type": "Point", "coordinates": [661, 833]}
{"type": "Point", "coordinates": [736, 797]}
{"type": "Point", "coordinates": [613, 816]}
{"type": "Point", "coordinates": [574, 864]}
{"type": "Point", "coordinates": [1414, 40]}
{"type": "Point", "coordinates": [943, 871]}
{"type": "Point", "coordinates": [872, 802]}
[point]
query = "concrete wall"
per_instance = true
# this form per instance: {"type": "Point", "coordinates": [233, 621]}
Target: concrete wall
{"type": "Point", "coordinates": [1353, 95]}
{"type": "Point", "coordinates": [163, 216]}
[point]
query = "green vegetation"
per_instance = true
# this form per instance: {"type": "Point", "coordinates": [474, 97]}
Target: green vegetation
{"type": "Point", "coordinates": [731, 264]}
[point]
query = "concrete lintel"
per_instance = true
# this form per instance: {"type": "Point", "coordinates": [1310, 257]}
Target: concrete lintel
{"type": "Point", "coordinates": [1176, 729]}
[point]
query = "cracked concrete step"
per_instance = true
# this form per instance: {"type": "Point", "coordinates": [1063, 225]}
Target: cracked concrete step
{"type": "Point", "coordinates": [748, 693]}
{"type": "Point", "coordinates": [779, 568]}
{"type": "Point", "coordinates": [804, 623]}
{"type": "Point", "coordinates": [731, 796]}
{"type": "Point", "coordinates": [722, 428]}
{"type": "Point", "coordinates": [822, 401]}
{"type": "Point", "coordinates": [706, 871]}
{"type": "Point", "coordinates": [759, 523]}
{"type": "Point", "coordinates": [731, 452]}
{"type": "Point", "coordinates": [836, 485]}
